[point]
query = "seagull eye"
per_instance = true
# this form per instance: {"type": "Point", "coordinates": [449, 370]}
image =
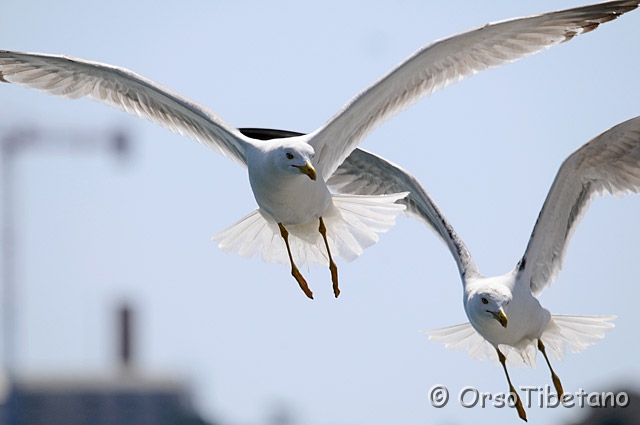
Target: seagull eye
{"type": "Point", "coordinates": [289, 155]}
{"type": "Point", "coordinates": [484, 300]}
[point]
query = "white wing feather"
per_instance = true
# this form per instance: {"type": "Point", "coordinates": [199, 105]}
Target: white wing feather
{"type": "Point", "coordinates": [609, 163]}
{"type": "Point", "coordinates": [363, 173]}
{"type": "Point", "coordinates": [448, 61]}
{"type": "Point", "coordinates": [122, 89]}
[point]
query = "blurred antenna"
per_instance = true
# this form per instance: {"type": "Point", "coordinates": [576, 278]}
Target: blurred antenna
{"type": "Point", "coordinates": [12, 143]}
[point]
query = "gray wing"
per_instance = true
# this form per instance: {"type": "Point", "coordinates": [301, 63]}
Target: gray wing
{"type": "Point", "coordinates": [363, 173]}
{"type": "Point", "coordinates": [122, 89]}
{"type": "Point", "coordinates": [448, 61]}
{"type": "Point", "coordinates": [610, 163]}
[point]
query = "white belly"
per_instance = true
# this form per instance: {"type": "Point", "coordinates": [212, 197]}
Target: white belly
{"type": "Point", "coordinates": [292, 201]}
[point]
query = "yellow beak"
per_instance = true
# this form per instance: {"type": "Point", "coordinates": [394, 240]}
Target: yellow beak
{"type": "Point", "coordinates": [307, 169]}
{"type": "Point", "coordinates": [501, 317]}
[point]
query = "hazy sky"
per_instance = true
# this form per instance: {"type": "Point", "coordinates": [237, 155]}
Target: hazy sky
{"type": "Point", "coordinates": [94, 231]}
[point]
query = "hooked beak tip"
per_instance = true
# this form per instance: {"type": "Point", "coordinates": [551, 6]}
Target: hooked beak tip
{"type": "Point", "coordinates": [308, 169]}
{"type": "Point", "coordinates": [501, 317]}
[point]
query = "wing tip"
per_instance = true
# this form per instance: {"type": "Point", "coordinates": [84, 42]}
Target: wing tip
{"type": "Point", "coordinates": [608, 15]}
{"type": "Point", "coordinates": [591, 25]}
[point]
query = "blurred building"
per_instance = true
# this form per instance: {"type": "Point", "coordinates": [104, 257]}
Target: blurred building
{"type": "Point", "coordinates": [99, 401]}
{"type": "Point", "coordinates": [123, 398]}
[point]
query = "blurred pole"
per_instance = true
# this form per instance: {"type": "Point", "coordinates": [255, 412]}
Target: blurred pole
{"type": "Point", "coordinates": [14, 142]}
{"type": "Point", "coordinates": [125, 336]}
{"type": "Point", "coordinates": [8, 257]}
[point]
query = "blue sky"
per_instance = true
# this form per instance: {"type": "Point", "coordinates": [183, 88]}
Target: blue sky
{"type": "Point", "coordinates": [94, 231]}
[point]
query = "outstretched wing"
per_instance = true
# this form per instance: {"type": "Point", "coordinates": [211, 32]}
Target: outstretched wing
{"type": "Point", "coordinates": [120, 88]}
{"type": "Point", "coordinates": [448, 61]}
{"type": "Point", "coordinates": [363, 173]}
{"type": "Point", "coordinates": [610, 163]}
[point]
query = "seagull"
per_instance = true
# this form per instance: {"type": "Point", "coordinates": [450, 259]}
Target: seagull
{"type": "Point", "coordinates": [506, 320]}
{"type": "Point", "coordinates": [298, 218]}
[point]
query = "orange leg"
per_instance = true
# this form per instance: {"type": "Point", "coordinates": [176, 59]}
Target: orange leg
{"type": "Point", "coordinates": [332, 265]}
{"type": "Point", "coordinates": [554, 377]}
{"type": "Point", "coordinates": [521, 413]}
{"type": "Point", "coordinates": [294, 270]}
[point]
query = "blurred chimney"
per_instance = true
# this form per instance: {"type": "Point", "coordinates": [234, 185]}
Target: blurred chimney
{"type": "Point", "coordinates": [125, 354]}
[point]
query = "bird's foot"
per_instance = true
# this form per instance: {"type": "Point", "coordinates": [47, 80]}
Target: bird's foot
{"type": "Point", "coordinates": [334, 278]}
{"type": "Point", "coordinates": [557, 385]}
{"type": "Point", "coordinates": [303, 283]}
{"type": "Point", "coordinates": [521, 412]}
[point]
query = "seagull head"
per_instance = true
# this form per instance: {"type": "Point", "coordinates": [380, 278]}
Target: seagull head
{"type": "Point", "coordinates": [296, 158]}
{"type": "Point", "coordinates": [489, 305]}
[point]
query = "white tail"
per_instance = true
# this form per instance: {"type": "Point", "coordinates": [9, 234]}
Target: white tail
{"type": "Point", "coordinates": [463, 337]}
{"type": "Point", "coordinates": [352, 224]}
{"type": "Point", "coordinates": [575, 332]}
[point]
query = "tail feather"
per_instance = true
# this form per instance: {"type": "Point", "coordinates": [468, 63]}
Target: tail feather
{"type": "Point", "coordinates": [356, 220]}
{"type": "Point", "coordinates": [574, 332]}
{"type": "Point", "coordinates": [464, 337]}
{"type": "Point", "coordinates": [352, 225]}
{"type": "Point", "coordinates": [248, 235]}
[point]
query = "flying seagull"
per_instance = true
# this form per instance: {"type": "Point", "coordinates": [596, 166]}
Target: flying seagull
{"type": "Point", "coordinates": [288, 176]}
{"type": "Point", "coordinates": [506, 320]}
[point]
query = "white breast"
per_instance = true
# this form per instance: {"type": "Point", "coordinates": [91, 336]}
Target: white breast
{"type": "Point", "coordinates": [527, 318]}
{"type": "Point", "coordinates": [290, 199]}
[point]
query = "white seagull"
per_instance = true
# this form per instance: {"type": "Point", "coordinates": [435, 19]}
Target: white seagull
{"type": "Point", "coordinates": [505, 316]}
{"type": "Point", "coordinates": [288, 176]}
